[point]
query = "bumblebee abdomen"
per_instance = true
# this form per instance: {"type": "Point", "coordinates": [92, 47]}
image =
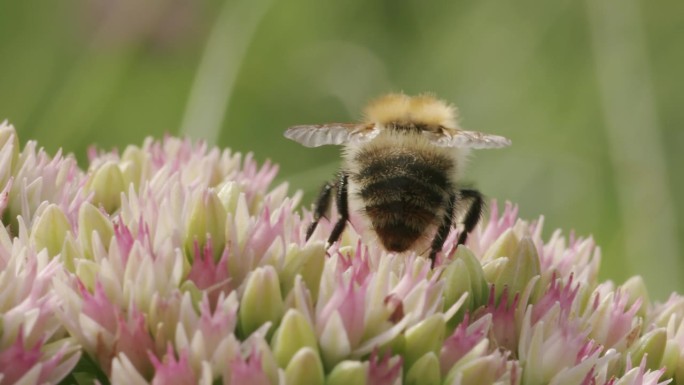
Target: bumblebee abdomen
{"type": "Point", "coordinates": [403, 192]}
{"type": "Point", "coordinates": [399, 224]}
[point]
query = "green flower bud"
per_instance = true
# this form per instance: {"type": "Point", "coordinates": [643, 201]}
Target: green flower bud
{"type": "Point", "coordinates": [134, 162]}
{"type": "Point", "coordinates": [483, 370]}
{"type": "Point", "coordinates": [679, 372]}
{"type": "Point", "coordinates": [262, 301]}
{"type": "Point", "coordinates": [307, 261]}
{"type": "Point", "coordinates": [523, 264]}
{"type": "Point", "coordinates": [651, 344]}
{"type": "Point", "coordinates": [348, 373]}
{"type": "Point", "coordinates": [107, 184]}
{"type": "Point", "coordinates": [424, 337]}
{"type": "Point", "coordinates": [305, 368]}
{"type": "Point", "coordinates": [10, 156]}
{"type": "Point", "coordinates": [425, 371]}
{"type": "Point", "coordinates": [50, 230]}
{"type": "Point", "coordinates": [464, 274]}
{"type": "Point", "coordinates": [206, 219]}
{"type": "Point", "coordinates": [504, 246]}
{"type": "Point", "coordinates": [228, 193]}
{"type": "Point", "coordinates": [635, 288]}
{"type": "Point", "coordinates": [670, 358]}
{"type": "Point", "coordinates": [87, 271]}
{"type": "Point", "coordinates": [334, 341]}
{"type": "Point", "coordinates": [69, 253]}
{"type": "Point", "coordinates": [295, 333]}
{"type": "Point", "coordinates": [492, 270]}
{"type": "Point", "coordinates": [91, 220]}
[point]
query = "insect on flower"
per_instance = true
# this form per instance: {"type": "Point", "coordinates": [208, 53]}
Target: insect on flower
{"type": "Point", "coordinates": [400, 171]}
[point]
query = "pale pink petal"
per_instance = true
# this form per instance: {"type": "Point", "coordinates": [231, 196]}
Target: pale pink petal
{"type": "Point", "coordinates": [461, 341]}
{"type": "Point", "coordinates": [385, 370]}
{"type": "Point", "coordinates": [248, 371]}
{"type": "Point", "coordinates": [172, 371]}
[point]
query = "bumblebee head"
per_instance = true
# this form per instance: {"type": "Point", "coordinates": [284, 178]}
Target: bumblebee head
{"type": "Point", "coordinates": [402, 112]}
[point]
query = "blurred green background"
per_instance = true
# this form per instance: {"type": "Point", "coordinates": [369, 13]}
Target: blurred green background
{"type": "Point", "coordinates": [589, 91]}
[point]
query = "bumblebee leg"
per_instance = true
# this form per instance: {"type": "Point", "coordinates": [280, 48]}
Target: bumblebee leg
{"type": "Point", "coordinates": [342, 208]}
{"type": "Point", "coordinates": [444, 228]}
{"type": "Point", "coordinates": [321, 207]}
{"type": "Point", "coordinates": [473, 214]}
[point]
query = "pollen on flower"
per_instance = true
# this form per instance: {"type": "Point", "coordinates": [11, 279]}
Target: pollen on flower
{"type": "Point", "coordinates": [175, 262]}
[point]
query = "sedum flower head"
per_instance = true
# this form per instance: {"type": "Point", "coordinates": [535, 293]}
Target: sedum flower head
{"type": "Point", "coordinates": [177, 263]}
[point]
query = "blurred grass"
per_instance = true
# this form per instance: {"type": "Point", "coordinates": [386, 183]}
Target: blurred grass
{"type": "Point", "coordinates": [112, 72]}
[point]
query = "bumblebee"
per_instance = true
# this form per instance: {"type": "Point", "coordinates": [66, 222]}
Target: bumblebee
{"type": "Point", "coordinates": [401, 169]}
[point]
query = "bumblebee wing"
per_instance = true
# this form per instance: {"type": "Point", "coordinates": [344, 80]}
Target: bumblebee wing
{"type": "Point", "coordinates": [469, 139]}
{"type": "Point", "coordinates": [332, 133]}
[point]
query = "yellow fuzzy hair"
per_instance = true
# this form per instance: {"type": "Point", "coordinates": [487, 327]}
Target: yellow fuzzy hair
{"type": "Point", "coordinates": [422, 109]}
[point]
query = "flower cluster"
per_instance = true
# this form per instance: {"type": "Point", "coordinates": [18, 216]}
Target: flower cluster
{"type": "Point", "coordinates": [175, 263]}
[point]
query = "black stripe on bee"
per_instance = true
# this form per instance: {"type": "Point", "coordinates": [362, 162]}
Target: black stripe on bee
{"type": "Point", "coordinates": [403, 188]}
{"type": "Point", "coordinates": [389, 213]}
{"type": "Point", "coordinates": [432, 170]}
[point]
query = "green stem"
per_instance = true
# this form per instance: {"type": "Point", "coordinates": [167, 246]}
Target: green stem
{"type": "Point", "coordinates": [218, 68]}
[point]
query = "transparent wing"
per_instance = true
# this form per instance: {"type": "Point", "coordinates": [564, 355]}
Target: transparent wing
{"type": "Point", "coordinates": [332, 133]}
{"type": "Point", "coordinates": [469, 139]}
